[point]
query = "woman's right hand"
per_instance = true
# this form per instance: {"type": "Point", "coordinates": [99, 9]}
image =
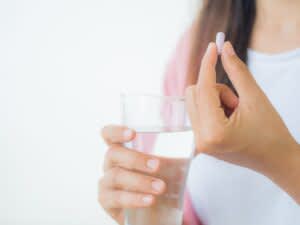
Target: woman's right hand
{"type": "Point", "coordinates": [129, 176]}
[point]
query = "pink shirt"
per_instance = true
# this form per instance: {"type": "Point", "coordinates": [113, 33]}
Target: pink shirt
{"type": "Point", "coordinates": [174, 85]}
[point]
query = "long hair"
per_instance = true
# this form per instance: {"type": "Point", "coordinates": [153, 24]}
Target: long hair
{"type": "Point", "coordinates": [233, 17]}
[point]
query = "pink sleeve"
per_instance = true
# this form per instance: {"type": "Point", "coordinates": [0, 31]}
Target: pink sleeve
{"type": "Point", "coordinates": [174, 85]}
{"type": "Point", "coordinates": [176, 70]}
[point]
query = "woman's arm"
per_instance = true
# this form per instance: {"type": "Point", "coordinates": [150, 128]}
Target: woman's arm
{"type": "Point", "coordinates": [283, 169]}
{"type": "Point", "coordinates": [253, 135]}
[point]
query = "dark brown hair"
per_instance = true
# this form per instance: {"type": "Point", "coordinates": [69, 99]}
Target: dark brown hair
{"type": "Point", "coordinates": [233, 17]}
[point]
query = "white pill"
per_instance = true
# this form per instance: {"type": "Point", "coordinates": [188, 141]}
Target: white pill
{"type": "Point", "coordinates": [220, 39]}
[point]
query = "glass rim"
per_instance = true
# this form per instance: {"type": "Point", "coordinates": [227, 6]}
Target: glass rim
{"type": "Point", "coordinates": [162, 97]}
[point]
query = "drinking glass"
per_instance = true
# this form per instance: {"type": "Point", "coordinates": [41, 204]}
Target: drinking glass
{"type": "Point", "coordinates": [162, 129]}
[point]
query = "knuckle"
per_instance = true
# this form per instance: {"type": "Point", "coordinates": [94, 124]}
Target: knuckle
{"type": "Point", "coordinates": [141, 182]}
{"type": "Point", "coordinates": [120, 199]}
{"type": "Point", "coordinates": [112, 200]}
{"type": "Point", "coordinates": [215, 138]}
{"type": "Point", "coordinates": [210, 141]}
{"type": "Point", "coordinates": [135, 160]}
{"type": "Point", "coordinates": [222, 87]}
{"type": "Point", "coordinates": [115, 174]}
{"type": "Point", "coordinates": [136, 199]}
{"type": "Point", "coordinates": [201, 145]}
{"type": "Point", "coordinates": [219, 86]}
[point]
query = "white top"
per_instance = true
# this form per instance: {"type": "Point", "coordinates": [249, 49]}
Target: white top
{"type": "Point", "coordinates": [226, 194]}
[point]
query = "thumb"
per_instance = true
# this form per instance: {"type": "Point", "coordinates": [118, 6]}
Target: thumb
{"type": "Point", "coordinates": [237, 71]}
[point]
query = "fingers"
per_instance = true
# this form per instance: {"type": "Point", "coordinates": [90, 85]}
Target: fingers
{"type": "Point", "coordinates": [228, 98]}
{"type": "Point", "coordinates": [207, 95]}
{"type": "Point", "coordinates": [117, 134]}
{"type": "Point", "coordinates": [118, 178]}
{"type": "Point", "coordinates": [131, 160]}
{"type": "Point", "coordinates": [237, 71]}
{"type": "Point", "coordinates": [117, 199]}
{"type": "Point", "coordinates": [207, 75]}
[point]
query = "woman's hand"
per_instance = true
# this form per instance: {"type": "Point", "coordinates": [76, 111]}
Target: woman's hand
{"type": "Point", "coordinates": [128, 180]}
{"type": "Point", "coordinates": [252, 134]}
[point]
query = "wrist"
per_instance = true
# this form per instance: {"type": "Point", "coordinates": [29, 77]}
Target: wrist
{"type": "Point", "coordinates": [277, 159]}
{"type": "Point", "coordinates": [283, 168]}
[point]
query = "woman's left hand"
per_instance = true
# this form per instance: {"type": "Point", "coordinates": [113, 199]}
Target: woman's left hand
{"type": "Point", "coordinates": [252, 134]}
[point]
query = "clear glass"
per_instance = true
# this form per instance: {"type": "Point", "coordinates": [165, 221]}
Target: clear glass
{"type": "Point", "coordinates": [162, 130]}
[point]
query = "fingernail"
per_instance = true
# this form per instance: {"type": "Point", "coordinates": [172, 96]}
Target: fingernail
{"type": "Point", "coordinates": [152, 164]}
{"type": "Point", "coordinates": [128, 134]}
{"type": "Point", "coordinates": [147, 199]}
{"type": "Point", "coordinates": [157, 185]}
{"type": "Point", "coordinates": [229, 49]}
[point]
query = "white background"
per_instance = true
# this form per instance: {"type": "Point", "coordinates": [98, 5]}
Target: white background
{"type": "Point", "coordinates": [63, 64]}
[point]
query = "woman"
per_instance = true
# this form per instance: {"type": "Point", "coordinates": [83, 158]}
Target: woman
{"type": "Point", "coordinates": [250, 172]}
